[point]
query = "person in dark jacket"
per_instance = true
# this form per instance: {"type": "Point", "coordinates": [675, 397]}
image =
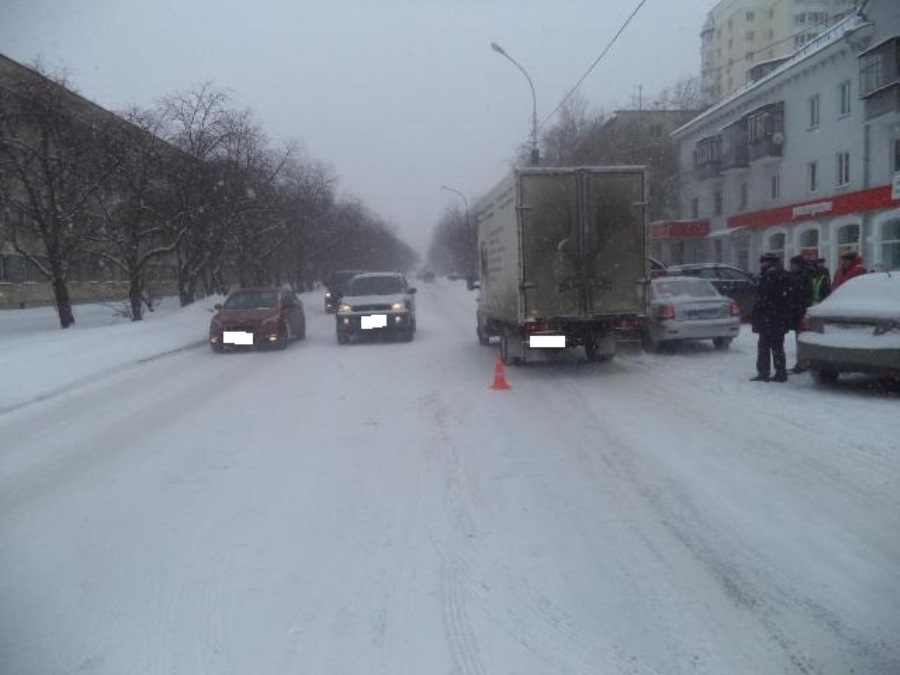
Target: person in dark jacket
{"type": "Point", "coordinates": [772, 319]}
{"type": "Point", "coordinates": [801, 276]}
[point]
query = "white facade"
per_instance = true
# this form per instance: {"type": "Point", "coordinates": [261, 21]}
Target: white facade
{"type": "Point", "coordinates": [806, 160]}
{"type": "Point", "coordinates": [740, 34]}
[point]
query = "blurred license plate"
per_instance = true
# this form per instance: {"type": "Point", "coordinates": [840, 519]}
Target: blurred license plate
{"type": "Point", "coordinates": [704, 314]}
{"type": "Point", "coordinates": [237, 337]}
{"type": "Point", "coordinates": [373, 321]}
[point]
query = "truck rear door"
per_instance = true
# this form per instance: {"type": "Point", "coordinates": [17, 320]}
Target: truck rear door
{"type": "Point", "coordinates": [614, 245]}
{"type": "Point", "coordinates": [583, 242]}
{"type": "Point", "coordinates": [551, 244]}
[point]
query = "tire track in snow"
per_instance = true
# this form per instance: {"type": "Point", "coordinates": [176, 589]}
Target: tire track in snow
{"type": "Point", "coordinates": [531, 619]}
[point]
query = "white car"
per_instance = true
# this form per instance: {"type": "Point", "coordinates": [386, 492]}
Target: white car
{"type": "Point", "coordinates": [688, 308]}
{"type": "Point", "coordinates": [855, 330]}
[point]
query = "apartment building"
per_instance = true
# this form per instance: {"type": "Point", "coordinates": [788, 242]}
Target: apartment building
{"type": "Point", "coordinates": [739, 35]}
{"type": "Point", "coordinates": [805, 160]}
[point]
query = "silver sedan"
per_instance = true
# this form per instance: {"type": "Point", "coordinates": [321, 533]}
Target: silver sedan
{"type": "Point", "coordinates": [855, 330]}
{"type": "Point", "coordinates": [687, 308]}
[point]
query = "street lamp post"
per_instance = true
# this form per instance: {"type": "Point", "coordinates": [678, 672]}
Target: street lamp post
{"type": "Point", "coordinates": [535, 153]}
{"type": "Point", "coordinates": [469, 233]}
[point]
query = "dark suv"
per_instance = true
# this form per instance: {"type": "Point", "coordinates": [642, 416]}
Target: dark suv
{"type": "Point", "coordinates": [731, 281]}
{"type": "Point", "coordinates": [337, 286]}
{"type": "Point", "coordinates": [377, 303]}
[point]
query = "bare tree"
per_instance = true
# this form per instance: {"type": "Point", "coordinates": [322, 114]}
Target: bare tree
{"type": "Point", "coordinates": [198, 123]}
{"type": "Point", "coordinates": [137, 205]}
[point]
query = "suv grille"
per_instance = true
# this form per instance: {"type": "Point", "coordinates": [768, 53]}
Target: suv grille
{"type": "Point", "coordinates": [372, 308]}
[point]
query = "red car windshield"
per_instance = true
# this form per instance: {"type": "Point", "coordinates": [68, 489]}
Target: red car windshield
{"type": "Point", "coordinates": [252, 300]}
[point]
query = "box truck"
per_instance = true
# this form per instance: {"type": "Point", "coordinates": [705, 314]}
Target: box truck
{"type": "Point", "coordinates": [563, 256]}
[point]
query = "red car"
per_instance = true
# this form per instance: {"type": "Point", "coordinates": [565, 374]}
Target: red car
{"type": "Point", "coordinates": [257, 317]}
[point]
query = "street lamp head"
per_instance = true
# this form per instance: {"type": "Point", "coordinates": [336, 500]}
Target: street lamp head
{"type": "Point", "coordinates": [497, 48]}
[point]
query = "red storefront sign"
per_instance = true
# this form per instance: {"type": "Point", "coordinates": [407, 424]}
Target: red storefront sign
{"type": "Point", "coordinates": [670, 229]}
{"type": "Point", "coordinates": [873, 199]}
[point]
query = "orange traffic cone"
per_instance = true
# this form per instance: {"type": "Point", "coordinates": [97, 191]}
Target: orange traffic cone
{"type": "Point", "coordinates": [499, 378]}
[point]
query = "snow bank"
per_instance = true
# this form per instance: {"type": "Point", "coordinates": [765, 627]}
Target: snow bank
{"type": "Point", "coordinates": [40, 359]}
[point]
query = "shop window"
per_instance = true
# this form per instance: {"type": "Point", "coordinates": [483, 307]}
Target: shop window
{"type": "Point", "coordinates": [777, 245]}
{"type": "Point", "coordinates": [890, 245]}
{"type": "Point", "coordinates": [809, 244]}
{"type": "Point", "coordinates": [848, 239]}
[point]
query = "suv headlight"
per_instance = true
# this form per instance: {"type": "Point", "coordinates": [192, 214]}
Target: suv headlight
{"type": "Point", "coordinates": [398, 306]}
{"type": "Point", "coordinates": [344, 308]}
{"type": "Point", "coordinates": [328, 295]}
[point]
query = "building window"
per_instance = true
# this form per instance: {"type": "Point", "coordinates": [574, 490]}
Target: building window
{"type": "Point", "coordinates": [695, 208]}
{"type": "Point", "coordinates": [848, 239]}
{"type": "Point", "coordinates": [743, 195]}
{"type": "Point", "coordinates": [799, 19]}
{"type": "Point", "coordinates": [809, 244]}
{"type": "Point", "coordinates": [812, 171]}
{"type": "Point", "coordinates": [843, 168]}
{"type": "Point", "coordinates": [749, 16]}
{"type": "Point", "coordinates": [897, 155]}
{"type": "Point", "coordinates": [749, 35]}
{"type": "Point", "coordinates": [814, 112]}
{"type": "Point", "coordinates": [717, 203]}
{"type": "Point", "coordinates": [775, 185]}
{"type": "Point", "coordinates": [776, 245]}
{"type": "Point", "coordinates": [748, 56]}
{"type": "Point", "coordinates": [844, 98]}
{"type": "Point", "coordinates": [890, 245]}
{"type": "Point", "coordinates": [717, 250]}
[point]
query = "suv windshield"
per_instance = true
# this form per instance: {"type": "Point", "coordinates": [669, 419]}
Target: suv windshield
{"type": "Point", "coordinates": [252, 300]}
{"type": "Point", "coordinates": [366, 285]}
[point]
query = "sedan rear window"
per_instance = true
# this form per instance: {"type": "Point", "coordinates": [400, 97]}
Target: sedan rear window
{"type": "Point", "coordinates": [252, 300]}
{"type": "Point", "coordinates": [689, 287]}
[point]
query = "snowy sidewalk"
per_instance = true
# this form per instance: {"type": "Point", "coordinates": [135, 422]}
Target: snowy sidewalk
{"type": "Point", "coordinates": [39, 360]}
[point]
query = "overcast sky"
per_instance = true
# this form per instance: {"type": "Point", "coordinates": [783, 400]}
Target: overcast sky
{"type": "Point", "coordinates": [398, 96]}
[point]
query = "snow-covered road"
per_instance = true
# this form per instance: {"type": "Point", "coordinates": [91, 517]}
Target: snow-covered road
{"type": "Point", "coordinates": [376, 509]}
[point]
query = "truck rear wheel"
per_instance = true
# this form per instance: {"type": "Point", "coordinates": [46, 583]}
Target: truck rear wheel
{"type": "Point", "coordinates": [483, 338]}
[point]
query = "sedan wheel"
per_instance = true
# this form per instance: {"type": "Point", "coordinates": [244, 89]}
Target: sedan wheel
{"type": "Point", "coordinates": [722, 343]}
{"type": "Point", "coordinates": [284, 336]}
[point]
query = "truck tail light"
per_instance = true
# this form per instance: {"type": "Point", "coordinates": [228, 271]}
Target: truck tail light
{"type": "Point", "coordinates": [629, 323]}
{"type": "Point", "coordinates": [667, 313]}
{"type": "Point", "coordinates": [537, 326]}
{"type": "Point", "coordinates": [735, 309]}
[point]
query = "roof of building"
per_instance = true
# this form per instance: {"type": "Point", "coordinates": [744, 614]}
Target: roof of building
{"type": "Point", "coordinates": [807, 51]}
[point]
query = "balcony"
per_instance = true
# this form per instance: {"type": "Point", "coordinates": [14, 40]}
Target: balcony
{"type": "Point", "coordinates": [884, 104]}
{"type": "Point", "coordinates": [767, 148]}
{"type": "Point", "coordinates": [736, 158]}
{"type": "Point", "coordinates": [765, 133]}
{"type": "Point", "coordinates": [707, 170]}
{"type": "Point", "coordinates": [735, 155]}
{"type": "Point", "coordinates": [707, 158]}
